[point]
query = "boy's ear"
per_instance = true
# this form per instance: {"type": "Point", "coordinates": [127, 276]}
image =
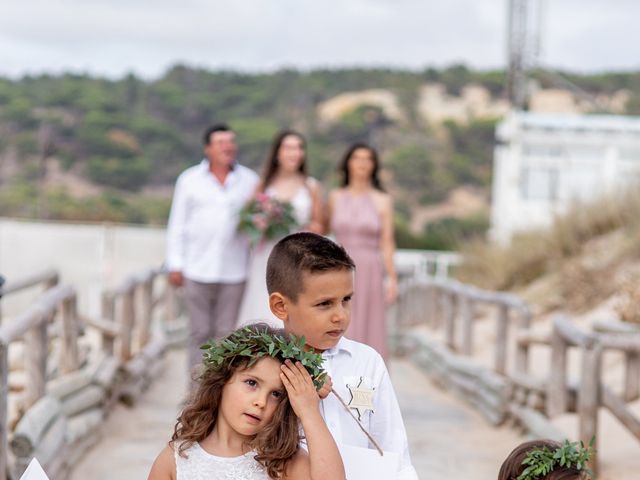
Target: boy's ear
{"type": "Point", "coordinates": [278, 306]}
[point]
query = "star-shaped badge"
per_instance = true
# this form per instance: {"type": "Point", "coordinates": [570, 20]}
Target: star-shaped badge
{"type": "Point", "coordinates": [361, 398]}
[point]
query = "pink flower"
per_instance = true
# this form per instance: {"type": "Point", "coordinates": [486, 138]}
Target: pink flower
{"type": "Point", "coordinates": [277, 210]}
{"type": "Point", "coordinates": [269, 207]}
{"type": "Point", "coordinates": [261, 201]}
{"type": "Point", "coordinates": [260, 222]}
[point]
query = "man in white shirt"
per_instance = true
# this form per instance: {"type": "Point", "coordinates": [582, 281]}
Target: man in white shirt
{"type": "Point", "coordinates": [205, 253]}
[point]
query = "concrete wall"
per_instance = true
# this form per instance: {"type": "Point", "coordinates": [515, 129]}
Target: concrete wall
{"type": "Point", "coordinates": [91, 257]}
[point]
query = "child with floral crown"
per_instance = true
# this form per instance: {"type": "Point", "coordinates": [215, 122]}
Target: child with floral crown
{"type": "Point", "coordinates": [547, 460]}
{"type": "Point", "coordinates": [242, 420]}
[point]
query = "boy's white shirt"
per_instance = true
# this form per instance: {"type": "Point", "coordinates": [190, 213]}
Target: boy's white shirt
{"type": "Point", "coordinates": [346, 363]}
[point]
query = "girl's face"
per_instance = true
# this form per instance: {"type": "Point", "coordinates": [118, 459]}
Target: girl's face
{"type": "Point", "coordinates": [250, 398]}
{"type": "Point", "coordinates": [291, 154]}
{"type": "Point", "coordinates": [361, 164]}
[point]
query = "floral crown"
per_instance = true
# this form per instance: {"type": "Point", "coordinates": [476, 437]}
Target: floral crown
{"type": "Point", "coordinates": [541, 461]}
{"type": "Point", "coordinates": [257, 341]}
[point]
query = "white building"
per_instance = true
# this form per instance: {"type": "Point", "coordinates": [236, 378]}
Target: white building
{"type": "Point", "coordinates": [543, 163]}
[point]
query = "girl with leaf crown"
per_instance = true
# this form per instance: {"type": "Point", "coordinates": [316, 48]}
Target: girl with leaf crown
{"type": "Point", "coordinates": [547, 460]}
{"type": "Point", "coordinates": [241, 422]}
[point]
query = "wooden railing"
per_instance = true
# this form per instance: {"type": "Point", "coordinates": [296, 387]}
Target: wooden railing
{"type": "Point", "coordinates": [532, 400]}
{"type": "Point", "coordinates": [126, 327]}
{"type": "Point", "coordinates": [63, 414]}
{"type": "Point", "coordinates": [47, 279]}
{"type": "Point", "coordinates": [426, 263]}
{"type": "Point", "coordinates": [592, 391]}
{"type": "Point", "coordinates": [451, 305]}
{"type": "Point", "coordinates": [31, 326]}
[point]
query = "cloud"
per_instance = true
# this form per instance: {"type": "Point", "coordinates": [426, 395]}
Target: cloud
{"type": "Point", "coordinates": [113, 37]}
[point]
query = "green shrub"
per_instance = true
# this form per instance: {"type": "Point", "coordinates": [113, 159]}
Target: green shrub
{"type": "Point", "coordinates": [123, 173]}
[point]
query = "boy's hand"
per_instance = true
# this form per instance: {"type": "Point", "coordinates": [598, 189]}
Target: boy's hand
{"type": "Point", "coordinates": [300, 389]}
{"type": "Point", "coordinates": [325, 390]}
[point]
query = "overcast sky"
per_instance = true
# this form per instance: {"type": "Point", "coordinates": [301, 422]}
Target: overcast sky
{"type": "Point", "coordinates": [113, 37]}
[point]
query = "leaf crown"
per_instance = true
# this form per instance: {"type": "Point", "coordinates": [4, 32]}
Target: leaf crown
{"type": "Point", "coordinates": [253, 342]}
{"type": "Point", "coordinates": [541, 461]}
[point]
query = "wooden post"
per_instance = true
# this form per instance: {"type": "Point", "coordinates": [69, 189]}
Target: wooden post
{"type": "Point", "coordinates": [69, 360]}
{"type": "Point", "coordinates": [589, 396]}
{"type": "Point", "coordinates": [557, 394]}
{"type": "Point", "coordinates": [502, 331]}
{"type": "Point", "coordinates": [409, 316]}
{"type": "Point", "coordinates": [430, 305]}
{"type": "Point", "coordinates": [108, 313]}
{"type": "Point", "coordinates": [522, 350]}
{"type": "Point", "coordinates": [171, 303]}
{"type": "Point", "coordinates": [51, 282]}
{"type": "Point", "coordinates": [35, 362]}
{"type": "Point", "coordinates": [4, 407]}
{"type": "Point", "coordinates": [127, 322]}
{"type": "Point", "coordinates": [449, 318]}
{"type": "Point", "coordinates": [2, 282]}
{"type": "Point", "coordinates": [466, 314]}
{"type": "Point", "coordinates": [147, 311]}
{"type": "Point", "coordinates": [632, 376]}
{"type": "Point", "coordinates": [416, 307]}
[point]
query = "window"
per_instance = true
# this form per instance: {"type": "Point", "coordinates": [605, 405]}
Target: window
{"type": "Point", "coordinates": [538, 183]}
{"type": "Point", "coordinates": [542, 150]}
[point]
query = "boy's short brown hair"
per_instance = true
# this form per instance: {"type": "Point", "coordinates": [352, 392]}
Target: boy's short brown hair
{"type": "Point", "coordinates": [301, 253]}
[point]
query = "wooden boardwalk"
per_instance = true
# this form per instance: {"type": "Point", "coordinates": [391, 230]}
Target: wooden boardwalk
{"type": "Point", "coordinates": [448, 439]}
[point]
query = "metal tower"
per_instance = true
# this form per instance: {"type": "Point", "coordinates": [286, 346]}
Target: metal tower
{"type": "Point", "coordinates": [524, 36]}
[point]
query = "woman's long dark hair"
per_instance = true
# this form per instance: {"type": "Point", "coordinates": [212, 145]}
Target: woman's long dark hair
{"type": "Point", "coordinates": [275, 445]}
{"type": "Point", "coordinates": [271, 164]}
{"type": "Point", "coordinates": [344, 166]}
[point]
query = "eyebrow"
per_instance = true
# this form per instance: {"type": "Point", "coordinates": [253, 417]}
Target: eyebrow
{"type": "Point", "coordinates": [261, 380]}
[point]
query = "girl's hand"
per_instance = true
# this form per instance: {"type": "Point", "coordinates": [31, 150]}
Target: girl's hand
{"type": "Point", "coordinates": [300, 389]}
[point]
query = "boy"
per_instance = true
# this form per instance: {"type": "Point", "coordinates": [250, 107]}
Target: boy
{"type": "Point", "coordinates": [310, 285]}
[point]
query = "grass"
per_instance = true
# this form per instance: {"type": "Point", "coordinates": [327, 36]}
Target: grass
{"type": "Point", "coordinates": [535, 253]}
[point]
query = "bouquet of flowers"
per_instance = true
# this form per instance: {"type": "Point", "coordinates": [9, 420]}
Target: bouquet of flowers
{"type": "Point", "coordinates": [265, 218]}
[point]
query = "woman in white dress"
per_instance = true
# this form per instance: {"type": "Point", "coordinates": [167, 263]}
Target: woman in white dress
{"type": "Point", "coordinates": [284, 178]}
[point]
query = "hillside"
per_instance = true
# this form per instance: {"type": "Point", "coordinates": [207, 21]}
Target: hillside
{"type": "Point", "coordinates": [77, 147]}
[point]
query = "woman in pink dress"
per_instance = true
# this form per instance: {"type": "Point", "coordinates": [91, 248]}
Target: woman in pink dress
{"type": "Point", "coordinates": [361, 218]}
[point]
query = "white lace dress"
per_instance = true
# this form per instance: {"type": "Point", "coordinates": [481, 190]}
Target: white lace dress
{"type": "Point", "coordinates": [255, 303]}
{"type": "Point", "coordinates": [201, 465]}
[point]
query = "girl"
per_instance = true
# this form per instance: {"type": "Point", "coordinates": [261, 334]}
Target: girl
{"type": "Point", "coordinates": [524, 461]}
{"type": "Point", "coordinates": [284, 178]}
{"type": "Point", "coordinates": [361, 217]}
{"type": "Point", "coordinates": [240, 422]}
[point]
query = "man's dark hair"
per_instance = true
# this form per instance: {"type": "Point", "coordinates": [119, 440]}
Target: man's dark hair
{"type": "Point", "coordinates": [219, 127]}
{"type": "Point", "coordinates": [301, 253]}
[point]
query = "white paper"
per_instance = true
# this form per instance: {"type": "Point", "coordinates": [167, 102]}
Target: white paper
{"type": "Point", "coordinates": [34, 471]}
{"type": "Point", "coordinates": [367, 464]}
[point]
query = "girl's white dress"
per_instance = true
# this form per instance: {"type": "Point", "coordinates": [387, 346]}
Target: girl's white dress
{"type": "Point", "coordinates": [201, 465]}
{"type": "Point", "coordinates": [255, 303]}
